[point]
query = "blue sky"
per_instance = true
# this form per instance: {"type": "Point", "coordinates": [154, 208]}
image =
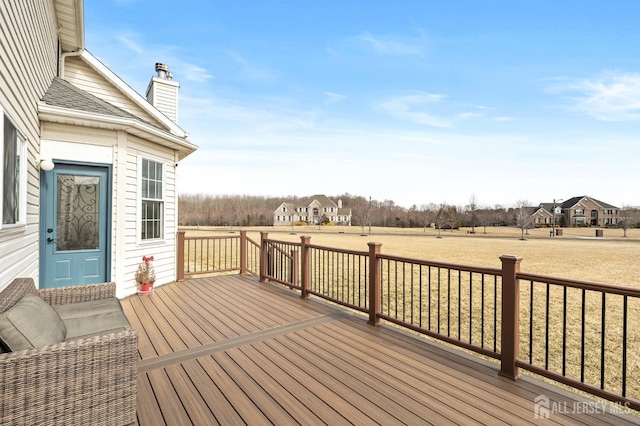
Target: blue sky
{"type": "Point", "coordinates": [414, 101]}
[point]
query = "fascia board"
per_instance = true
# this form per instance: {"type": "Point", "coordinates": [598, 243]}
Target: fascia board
{"type": "Point", "coordinates": [136, 127]}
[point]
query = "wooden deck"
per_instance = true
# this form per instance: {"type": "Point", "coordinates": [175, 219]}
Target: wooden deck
{"type": "Point", "coordinates": [230, 350]}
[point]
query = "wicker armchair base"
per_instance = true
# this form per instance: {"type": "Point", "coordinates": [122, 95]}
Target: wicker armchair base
{"type": "Point", "coordinates": [85, 381]}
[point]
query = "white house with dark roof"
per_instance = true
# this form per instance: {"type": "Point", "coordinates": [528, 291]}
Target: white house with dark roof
{"type": "Point", "coordinates": [312, 210]}
{"type": "Point", "coordinates": [88, 183]}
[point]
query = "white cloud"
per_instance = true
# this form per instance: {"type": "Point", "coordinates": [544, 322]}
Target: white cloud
{"type": "Point", "coordinates": [130, 44]}
{"type": "Point", "coordinates": [195, 73]}
{"type": "Point", "coordinates": [248, 71]}
{"type": "Point", "coordinates": [418, 108]}
{"type": "Point", "coordinates": [611, 96]}
{"type": "Point", "coordinates": [388, 45]}
{"type": "Point", "coordinates": [332, 98]}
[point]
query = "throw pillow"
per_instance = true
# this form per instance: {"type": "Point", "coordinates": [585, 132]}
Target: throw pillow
{"type": "Point", "coordinates": [31, 323]}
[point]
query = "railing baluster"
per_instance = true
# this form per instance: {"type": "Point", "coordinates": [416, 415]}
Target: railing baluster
{"type": "Point", "coordinates": [438, 290]}
{"type": "Point", "coordinates": [470, 308]}
{"type": "Point", "coordinates": [582, 334]}
{"type": "Point", "coordinates": [482, 343]}
{"type": "Point", "coordinates": [448, 301]}
{"type": "Point", "coordinates": [420, 294]}
{"type": "Point", "coordinates": [564, 331]}
{"type": "Point", "coordinates": [531, 305]}
{"type": "Point", "coordinates": [624, 345]}
{"type": "Point", "coordinates": [602, 340]}
{"type": "Point", "coordinates": [546, 330]}
{"type": "Point", "coordinates": [459, 303]}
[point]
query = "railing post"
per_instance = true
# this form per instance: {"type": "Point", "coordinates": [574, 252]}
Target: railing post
{"type": "Point", "coordinates": [293, 273]}
{"type": "Point", "coordinates": [305, 266]}
{"type": "Point", "coordinates": [374, 283]}
{"type": "Point", "coordinates": [263, 256]}
{"type": "Point", "coordinates": [180, 256]}
{"type": "Point", "coordinates": [243, 252]}
{"type": "Point", "coordinates": [510, 339]}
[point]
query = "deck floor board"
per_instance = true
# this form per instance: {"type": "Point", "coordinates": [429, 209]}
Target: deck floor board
{"type": "Point", "coordinates": [230, 350]}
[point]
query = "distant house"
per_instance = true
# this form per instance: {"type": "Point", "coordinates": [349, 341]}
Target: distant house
{"type": "Point", "coordinates": [313, 210]}
{"type": "Point", "coordinates": [577, 211]}
{"type": "Point", "coordinates": [88, 184]}
{"type": "Point", "coordinates": [543, 216]}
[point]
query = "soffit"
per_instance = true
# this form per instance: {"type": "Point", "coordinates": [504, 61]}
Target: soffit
{"type": "Point", "coordinates": [70, 17]}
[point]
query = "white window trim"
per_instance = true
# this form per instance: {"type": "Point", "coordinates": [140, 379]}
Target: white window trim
{"type": "Point", "coordinates": [140, 199]}
{"type": "Point", "coordinates": [22, 220]}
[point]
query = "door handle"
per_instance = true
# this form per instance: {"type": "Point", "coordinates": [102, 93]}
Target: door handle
{"type": "Point", "coordinates": [50, 240]}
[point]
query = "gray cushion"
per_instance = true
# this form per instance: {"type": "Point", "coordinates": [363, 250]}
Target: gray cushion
{"type": "Point", "coordinates": [95, 317]}
{"type": "Point", "coordinates": [31, 323]}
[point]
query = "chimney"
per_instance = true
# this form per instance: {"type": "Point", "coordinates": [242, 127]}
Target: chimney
{"type": "Point", "coordinates": [162, 92]}
{"type": "Point", "coordinates": [340, 203]}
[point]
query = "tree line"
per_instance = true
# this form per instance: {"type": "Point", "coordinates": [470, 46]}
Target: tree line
{"type": "Point", "coordinates": [250, 210]}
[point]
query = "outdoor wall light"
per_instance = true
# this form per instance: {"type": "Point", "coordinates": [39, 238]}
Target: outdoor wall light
{"type": "Point", "coordinates": [46, 164]}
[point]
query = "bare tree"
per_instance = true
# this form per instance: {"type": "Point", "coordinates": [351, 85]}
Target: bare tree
{"type": "Point", "coordinates": [428, 213]}
{"type": "Point", "coordinates": [485, 217]}
{"type": "Point", "coordinates": [472, 208]}
{"type": "Point", "coordinates": [446, 216]}
{"type": "Point", "coordinates": [523, 216]}
{"type": "Point", "coordinates": [294, 218]}
{"type": "Point", "coordinates": [361, 212]}
{"type": "Point", "coordinates": [629, 218]}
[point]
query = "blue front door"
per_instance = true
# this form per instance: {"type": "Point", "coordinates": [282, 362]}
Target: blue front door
{"type": "Point", "coordinates": [74, 225]}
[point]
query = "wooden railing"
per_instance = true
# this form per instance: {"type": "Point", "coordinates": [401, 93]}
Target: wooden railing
{"type": "Point", "coordinates": [578, 333]}
{"type": "Point", "coordinates": [219, 254]}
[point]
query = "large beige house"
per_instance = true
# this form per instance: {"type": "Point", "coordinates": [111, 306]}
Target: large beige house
{"type": "Point", "coordinates": [312, 210]}
{"type": "Point", "coordinates": [577, 211]}
{"type": "Point", "coordinates": [88, 180]}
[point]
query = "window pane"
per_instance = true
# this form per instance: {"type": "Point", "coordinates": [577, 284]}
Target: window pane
{"type": "Point", "coordinates": [78, 212]}
{"type": "Point", "coordinates": [152, 205]}
{"type": "Point", "coordinates": [10, 170]}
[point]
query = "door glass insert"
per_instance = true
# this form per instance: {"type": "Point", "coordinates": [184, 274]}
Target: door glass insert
{"type": "Point", "coordinates": [78, 212]}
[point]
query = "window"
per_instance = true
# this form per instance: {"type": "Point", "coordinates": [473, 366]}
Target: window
{"type": "Point", "coordinates": [152, 199]}
{"type": "Point", "coordinates": [579, 211]}
{"type": "Point", "coordinates": [13, 176]}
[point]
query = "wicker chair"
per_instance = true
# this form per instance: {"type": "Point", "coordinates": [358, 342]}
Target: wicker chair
{"type": "Point", "coordinates": [84, 381]}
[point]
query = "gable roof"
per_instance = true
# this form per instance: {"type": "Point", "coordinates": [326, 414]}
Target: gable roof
{"type": "Point", "coordinates": [65, 103]}
{"type": "Point", "coordinates": [65, 95]}
{"type": "Point", "coordinates": [575, 200]}
{"type": "Point", "coordinates": [542, 211]}
{"type": "Point", "coordinates": [134, 96]}
{"type": "Point", "coordinates": [323, 200]}
{"type": "Point", "coordinates": [89, 110]}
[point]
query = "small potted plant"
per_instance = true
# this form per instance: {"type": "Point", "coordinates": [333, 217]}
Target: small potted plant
{"type": "Point", "coordinates": [145, 276]}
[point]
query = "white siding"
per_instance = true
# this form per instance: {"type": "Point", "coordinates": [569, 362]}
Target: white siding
{"type": "Point", "coordinates": [80, 74]}
{"type": "Point", "coordinates": [163, 94]}
{"type": "Point", "coordinates": [163, 251]}
{"type": "Point", "coordinates": [28, 60]}
{"type": "Point", "coordinates": [123, 151]}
